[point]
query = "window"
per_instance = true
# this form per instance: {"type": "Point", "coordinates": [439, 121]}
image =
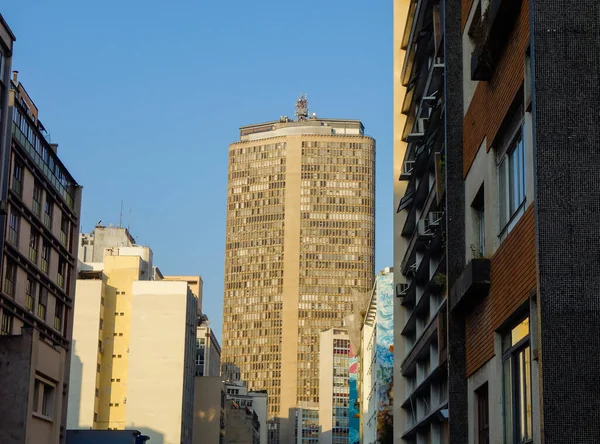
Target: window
{"type": "Point", "coordinates": [64, 229]}
{"type": "Point", "coordinates": [48, 213]}
{"type": "Point", "coordinates": [34, 240]}
{"type": "Point", "coordinates": [59, 312]}
{"type": "Point", "coordinates": [42, 303]}
{"type": "Point", "coordinates": [45, 257]}
{"type": "Point", "coordinates": [17, 183]}
{"type": "Point", "coordinates": [511, 176]}
{"type": "Point", "coordinates": [517, 385]}
{"type": "Point", "coordinates": [43, 398]}
{"type": "Point", "coordinates": [30, 294]}
{"type": "Point", "coordinates": [9, 278]}
{"type": "Point", "coordinates": [13, 228]}
{"type": "Point", "coordinates": [7, 322]}
{"type": "Point", "coordinates": [37, 199]}
{"type": "Point", "coordinates": [483, 415]}
{"type": "Point", "coordinates": [62, 270]}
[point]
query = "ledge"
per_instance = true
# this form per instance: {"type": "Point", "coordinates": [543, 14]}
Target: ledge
{"type": "Point", "coordinates": [472, 285]}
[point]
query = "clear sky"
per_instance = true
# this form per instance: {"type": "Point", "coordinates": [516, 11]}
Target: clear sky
{"type": "Point", "coordinates": [143, 98]}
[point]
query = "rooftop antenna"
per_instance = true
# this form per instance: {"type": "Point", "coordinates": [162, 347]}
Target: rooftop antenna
{"type": "Point", "coordinates": [129, 223]}
{"type": "Point", "coordinates": [121, 215]}
{"type": "Point", "coordinates": [302, 107]}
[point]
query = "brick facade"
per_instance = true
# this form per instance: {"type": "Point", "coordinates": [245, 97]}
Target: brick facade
{"type": "Point", "coordinates": [513, 276]}
{"type": "Point", "coordinates": [483, 119]}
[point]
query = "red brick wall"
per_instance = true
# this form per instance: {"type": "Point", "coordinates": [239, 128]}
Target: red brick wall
{"type": "Point", "coordinates": [492, 100]}
{"type": "Point", "coordinates": [513, 276]}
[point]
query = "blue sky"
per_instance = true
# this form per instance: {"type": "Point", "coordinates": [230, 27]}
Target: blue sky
{"type": "Point", "coordinates": [143, 98]}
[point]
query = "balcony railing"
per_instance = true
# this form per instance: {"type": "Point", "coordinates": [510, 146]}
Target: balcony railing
{"type": "Point", "coordinates": [60, 280]}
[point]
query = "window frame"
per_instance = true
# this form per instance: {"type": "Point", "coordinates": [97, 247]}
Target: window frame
{"type": "Point", "coordinates": [17, 178]}
{"type": "Point", "coordinates": [510, 358]}
{"type": "Point", "coordinates": [509, 210]}
{"type": "Point", "coordinates": [30, 290]}
{"type": "Point", "coordinates": [36, 204]}
{"type": "Point", "coordinates": [14, 222]}
{"type": "Point", "coordinates": [7, 324]}
{"type": "Point", "coordinates": [482, 395]}
{"type": "Point", "coordinates": [34, 241]}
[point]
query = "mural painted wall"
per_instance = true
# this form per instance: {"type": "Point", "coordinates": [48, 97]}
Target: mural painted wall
{"type": "Point", "coordinates": [385, 357]}
{"type": "Point", "coordinates": [353, 408]}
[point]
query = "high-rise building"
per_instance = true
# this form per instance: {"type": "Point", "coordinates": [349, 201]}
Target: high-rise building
{"type": "Point", "coordinates": [521, 222]}
{"type": "Point", "coordinates": [41, 202]}
{"type": "Point", "coordinates": [132, 328]}
{"type": "Point", "coordinates": [419, 223]}
{"type": "Point", "coordinates": [334, 388]}
{"type": "Point", "coordinates": [208, 350]}
{"type": "Point", "coordinates": [300, 238]}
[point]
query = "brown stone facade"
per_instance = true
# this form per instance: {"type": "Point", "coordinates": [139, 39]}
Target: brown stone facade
{"type": "Point", "coordinates": [513, 276]}
{"type": "Point", "coordinates": [493, 99]}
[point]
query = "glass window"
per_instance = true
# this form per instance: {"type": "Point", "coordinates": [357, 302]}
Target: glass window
{"type": "Point", "coordinates": [517, 385]}
{"type": "Point", "coordinates": [483, 415]}
{"type": "Point", "coordinates": [34, 240]}
{"type": "Point", "coordinates": [30, 294]}
{"type": "Point", "coordinates": [13, 228]}
{"type": "Point", "coordinates": [37, 199]}
{"type": "Point", "coordinates": [48, 213]}
{"type": "Point", "coordinates": [42, 302]}
{"type": "Point", "coordinates": [17, 184]}
{"type": "Point", "coordinates": [511, 176]}
{"type": "Point", "coordinates": [9, 278]}
{"type": "Point", "coordinates": [7, 322]}
{"type": "Point", "coordinates": [45, 257]}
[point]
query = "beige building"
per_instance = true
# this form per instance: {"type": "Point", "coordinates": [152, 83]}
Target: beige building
{"type": "Point", "coordinates": [40, 215]}
{"type": "Point", "coordinates": [300, 237]}
{"type": "Point", "coordinates": [209, 410]}
{"type": "Point", "coordinates": [134, 342]}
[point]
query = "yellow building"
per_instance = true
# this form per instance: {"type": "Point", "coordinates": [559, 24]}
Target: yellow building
{"type": "Point", "coordinates": [300, 237]}
{"type": "Point", "coordinates": [131, 323]}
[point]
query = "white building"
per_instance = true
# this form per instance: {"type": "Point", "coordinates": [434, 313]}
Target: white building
{"type": "Point", "coordinates": [334, 390]}
{"type": "Point", "coordinates": [256, 402]}
{"type": "Point", "coordinates": [208, 350]}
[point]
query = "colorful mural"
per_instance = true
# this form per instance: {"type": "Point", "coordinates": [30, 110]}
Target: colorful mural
{"type": "Point", "coordinates": [385, 356]}
{"type": "Point", "coordinates": [353, 408]}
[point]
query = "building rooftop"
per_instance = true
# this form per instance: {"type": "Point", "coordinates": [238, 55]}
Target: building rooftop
{"type": "Point", "coordinates": [304, 123]}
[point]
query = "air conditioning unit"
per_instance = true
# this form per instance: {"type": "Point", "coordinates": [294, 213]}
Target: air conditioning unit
{"type": "Point", "coordinates": [401, 290]}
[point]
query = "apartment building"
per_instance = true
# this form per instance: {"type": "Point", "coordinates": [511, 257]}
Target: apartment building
{"type": "Point", "coordinates": [377, 363]}
{"type": "Point", "coordinates": [41, 202]}
{"type": "Point", "coordinates": [208, 350]}
{"type": "Point", "coordinates": [134, 342]}
{"type": "Point", "coordinates": [420, 411]}
{"type": "Point", "coordinates": [299, 240]}
{"type": "Point", "coordinates": [520, 207]}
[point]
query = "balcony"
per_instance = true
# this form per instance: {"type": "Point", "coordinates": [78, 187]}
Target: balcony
{"type": "Point", "coordinates": [472, 286]}
{"type": "Point", "coordinates": [491, 34]}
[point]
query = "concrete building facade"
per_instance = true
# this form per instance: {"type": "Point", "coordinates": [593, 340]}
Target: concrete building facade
{"type": "Point", "coordinates": [134, 343]}
{"type": "Point", "coordinates": [334, 389]}
{"type": "Point", "coordinates": [41, 204]}
{"type": "Point", "coordinates": [420, 253]}
{"type": "Point", "coordinates": [208, 350]}
{"type": "Point", "coordinates": [300, 238]}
